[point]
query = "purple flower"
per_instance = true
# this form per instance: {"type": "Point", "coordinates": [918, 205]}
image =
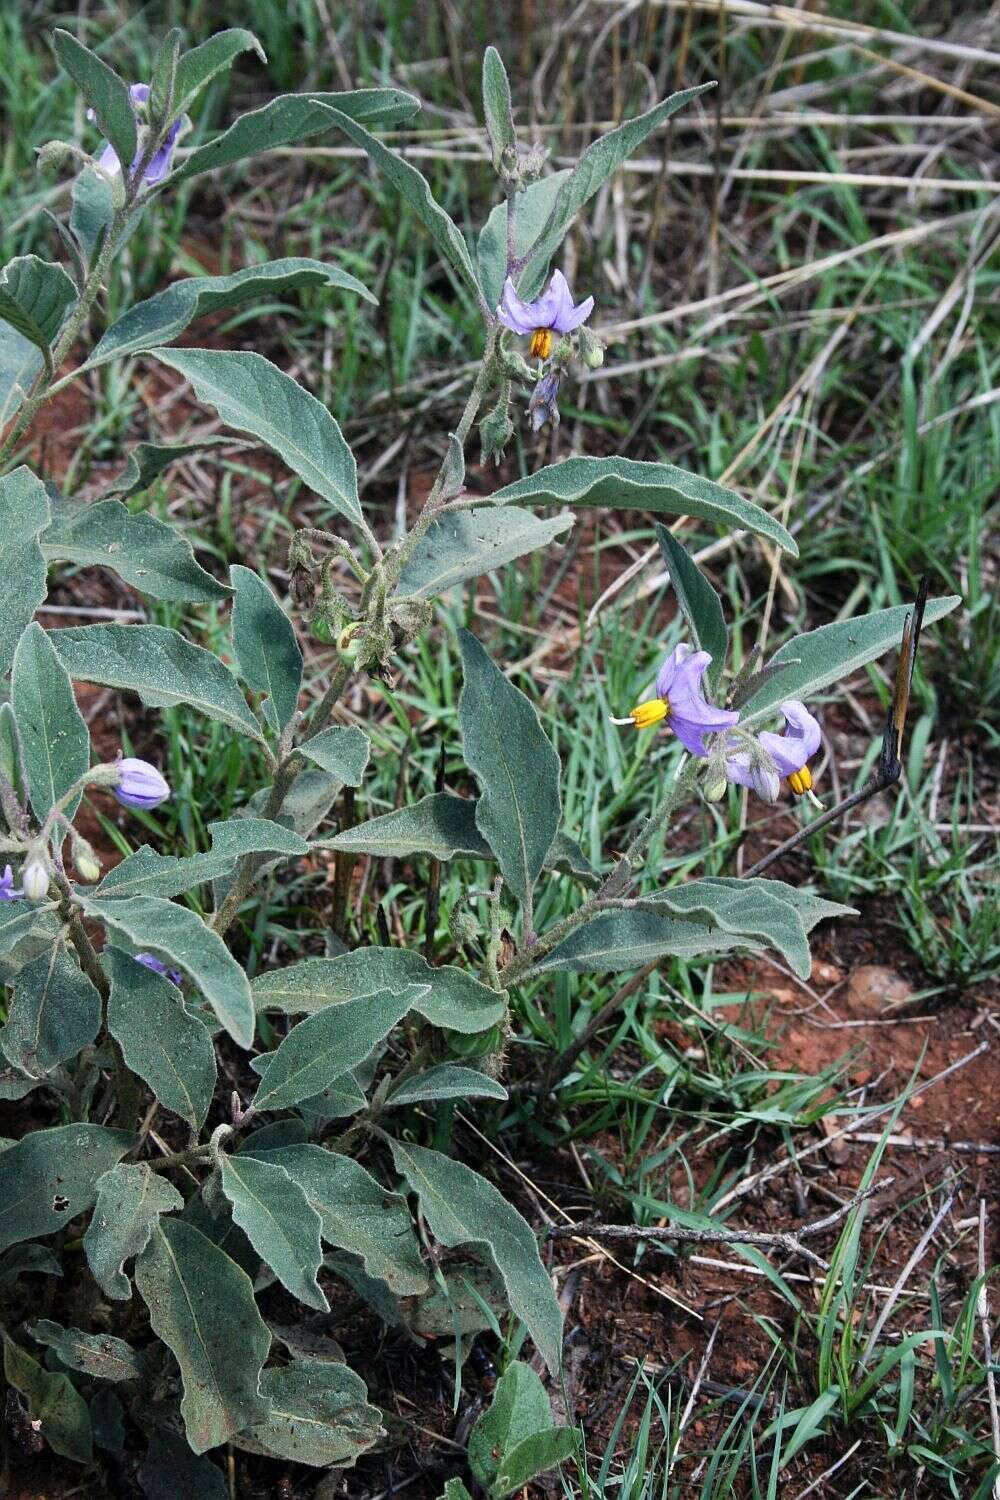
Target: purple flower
{"type": "Point", "coordinates": [159, 163]}
{"type": "Point", "coordinates": [7, 891]}
{"type": "Point", "coordinates": [543, 406]}
{"type": "Point", "coordinates": [680, 701]}
{"type": "Point", "coordinates": [140, 784]}
{"type": "Point", "coordinates": [553, 311]}
{"type": "Point", "coordinates": [788, 753]}
{"type": "Point", "coordinates": [159, 967]}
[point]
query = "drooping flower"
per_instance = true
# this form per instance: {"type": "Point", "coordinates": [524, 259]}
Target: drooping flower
{"type": "Point", "coordinates": [544, 404]}
{"type": "Point", "coordinates": [150, 961]}
{"type": "Point", "coordinates": [7, 891]}
{"type": "Point", "coordinates": [159, 162]}
{"type": "Point", "coordinates": [552, 312]}
{"type": "Point", "coordinates": [787, 752]}
{"type": "Point", "coordinates": [140, 784]}
{"type": "Point", "coordinates": [681, 703]}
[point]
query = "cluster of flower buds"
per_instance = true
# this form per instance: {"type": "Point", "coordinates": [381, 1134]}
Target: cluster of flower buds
{"type": "Point", "coordinates": [159, 163]}
{"type": "Point", "coordinates": [552, 313]}
{"type": "Point", "coordinates": [711, 733]}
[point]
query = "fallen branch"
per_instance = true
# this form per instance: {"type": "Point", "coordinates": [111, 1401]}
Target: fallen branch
{"type": "Point", "coordinates": [790, 1243]}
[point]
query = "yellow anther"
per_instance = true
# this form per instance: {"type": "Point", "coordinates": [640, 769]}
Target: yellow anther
{"type": "Point", "coordinates": [541, 343]}
{"type": "Point", "coordinates": [646, 714]}
{"type": "Point", "coordinates": [801, 781]}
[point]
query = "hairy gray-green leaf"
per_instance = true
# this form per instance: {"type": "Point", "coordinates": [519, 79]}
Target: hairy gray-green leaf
{"type": "Point", "coordinates": [28, 1259]}
{"type": "Point", "coordinates": [470, 542]}
{"type": "Point", "coordinates": [630, 484]}
{"type": "Point", "coordinates": [130, 1199]}
{"type": "Point", "coordinates": [55, 1011]}
{"type": "Point", "coordinates": [170, 1049]}
{"type": "Point", "coordinates": [147, 461]}
{"type": "Point", "coordinates": [202, 1306]}
{"type": "Point", "coordinates": [318, 1415]}
{"type": "Point", "coordinates": [162, 318]}
{"type": "Point", "coordinates": [290, 118]}
{"type": "Point", "coordinates": [92, 209]}
{"type": "Point", "coordinates": [462, 1208]}
{"type": "Point", "coordinates": [832, 653]}
{"type": "Point", "coordinates": [700, 604]}
{"type": "Point", "coordinates": [342, 750]}
{"type": "Point", "coordinates": [24, 515]}
{"type": "Point", "coordinates": [179, 936]}
{"type": "Point", "coordinates": [50, 1176]}
{"type": "Point", "coordinates": [328, 1044]}
{"type": "Point", "coordinates": [267, 652]}
{"type": "Point", "coordinates": [20, 366]}
{"type": "Point", "coordinates": [471, 1299]}
{"type": "Point", "coordinates": [356, 1212]}
{"type": "Point", "coordinates": [53, 1402]}
{"type": "Point", "coordinates": [515, 764]}
{"type": "Point", "coordinates": [16, 923]}
{"type": "Point", "coordinates": [148, 554]}
{"type": "Point", "coordinates": [146, 873]}
{"type": "Point", "coordinates": [164, 669]}
{"type": "Point", "coordinates": [199, 66]}
{"type": "Point", "coordinates": [440, 824]}
{"type": "Point", "coordinates": [497, 109]}
{"type": "Point", "coordinates": [446, 1081]}
{"type": "Point", "coordinates": [54, 737]}
{"type": "Point", "coordinates": [253, 395]}
{"type": "Point", "coordinates": [448, 996]}
{"type": "Point", "coordinates": [534, 206]}
{"type": "Point", "coordinates": [414, 187]}
{"type": "Point", "coordinates": [105, 92]}
{"type": "Point", "coordinates": [170, 1471]}
{"type": "Point", "coordinates": [279, 1221]}
{"type": "Point", "coordinates": [533, 1456]}
{"type": "Point", "coordinates": [519, 1409]}
{"type": "Point", "coordinates": [95, 1354]}
{"type": "Point", "coordinates": [599, 162]}
{"type": "Point", "coordinates": [35, 296]}
{"type": "Point", "coordinates": [615, 940]}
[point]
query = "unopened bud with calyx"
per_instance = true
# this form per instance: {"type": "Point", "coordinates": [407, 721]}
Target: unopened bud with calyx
{"type": "Point", "coordinates": [591, 348]}
{"type": "Point", "coordinates": [462, 926]}
{"type": "Point", "coordinates": [35, 878]}
{"type": "Point", "coordinates": [87, 864]}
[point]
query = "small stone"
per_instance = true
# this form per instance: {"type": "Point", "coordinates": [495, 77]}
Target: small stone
{"type": "Point", "coordinates": [874, 990]}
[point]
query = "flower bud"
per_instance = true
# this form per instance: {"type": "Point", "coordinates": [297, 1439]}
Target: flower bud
{"type": "Point", "coordinates": [35, 880]}
{"type": "Point", "coordinates": [7, 891]}
{"type": "Point", "coordinates": [462, 926]}
{"type": "Point", "coordinates": [765, 782]}
{"type": "Point", "coordinates": [87, 864]}
{"type": "Point", "coordinates": [349, 643]}
{"type": "Point", "coordinates": [591, 349]}
{"type": "Point", "coordinates": [150, 961]}
{"type": "Point", "coordinates": [714, 788]}
{"type": "Point", "coordinates": [140, 784]}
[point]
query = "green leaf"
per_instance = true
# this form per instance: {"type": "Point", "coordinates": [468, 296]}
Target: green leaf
{"type": "Point", "coordinates": [54, 738]}
{"type": "Point", "coordinates": [53, 1402]}
{"type": "Point", "coordinates": [202, 1306]}
{"type": "Point", "coordinates": [147, 461]}
{"type": "Point", "coordinates": [54, 1012]}
{"type": "Point", "coordinates": [356, 1212]}
{"type": "Point", "coordinates": [470, 542]}
{"type": "Point", "coordinates": [178, 935]}
{"type": "Point", "coordinates": [448, 995]}
{"type": "Point", "coordinates": [50, 1176]}
{"type": "Point", "coordinates": [534, 206]}
{"type": "Point", "coordinates": [146, 873]}
{"type": "Point", "coordinates": [104, 91]}
{"type": "Point", "coordinates": [199, 66]}
{"type": "Point", "coordinates": [148, 554]}
{"type": "Point", "coordinates": [291, 118]}
{"type": "Point", "coordinates": [515, 764]}
{"type": "Point", "coordinates": [309, 801]}
{"type": "Point", "coordinates": [95, 1354]}
{"type": "Point", "coordinates": [462, 1208]}
{"type": "Point", "coordinates": [832, 653]}
{"type": "Point", "coordinates": [766, 909]}
{"type": "Point", "coordinates": [267, 652]}
{"type": "Point", "coordinates": [615, 940]}
{"type": "Point", "coordinates": [341, 750]}
{"type": "Point", "coordinates": [130, 1200]}
{"type": "Point", "coordinates": [497, 109]}
{"type": "Point", "coordinates": [24, 515]}
{"type": "Point", "coordinates": [440, 824]}
{"type": "Point", "coordinates": [252, 395]}
{"type": "Point", "coordinates": [21, 364]}
{"type": "Point", "coordinates": [414, 187]}
{"type": "Point", "coordinates": [599, 162]}
{"type": "Point", "coordinates": [455, 1490]}
{"type": "Point", "coordinates": [169, 1048]}
{"type": "Point", "coordinates": [536, 1454]}
{"type": "Point", "coordinates": [700, 604]}
{"type": "Point", "coordinates": [170, 1471]}
{"type": "Point", "coordinates": [162, 318]}
{"type": "Point", "coordinates": [24, 1259]}
{"type": "Point", "coordinates": [515, 1439]}
{"type": "Point", "coordinates": [278, 1220]}
{"type": "Point", "coordinates": [471, 1300]}
{"type": "Point", "coordinates": [16, 923]}
{"type": "Point", "coordinates": [446, 1081]}
{"type": "Point", "coordinates": [328, 1044]}
{"type": "Point", "coordinates": [35, 296]}
{"type": "Point", "coordinates": [629, 484]}
{"type": "Point", "coordinates": [318, 1415]}
{"type": "Point", "coordinates": [160, 666]}
{"type": "Point", "coordinates": [92, 209]}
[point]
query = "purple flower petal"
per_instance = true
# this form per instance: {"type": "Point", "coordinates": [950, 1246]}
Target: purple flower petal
{"type": "Point", "coordinates": [140, 784]}
{"type": "Point", "coordinates": [7, 891]}
{"type": "Point", "coordinates": [514, 313]}
{"type": "Point", "coordinates": [802, 737]}
{"type": "Point", "coordinates": [553, 309]}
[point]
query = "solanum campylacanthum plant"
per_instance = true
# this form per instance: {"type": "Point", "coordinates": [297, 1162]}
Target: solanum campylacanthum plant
{"type": "Point", "coordinates": [187, 1214]}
